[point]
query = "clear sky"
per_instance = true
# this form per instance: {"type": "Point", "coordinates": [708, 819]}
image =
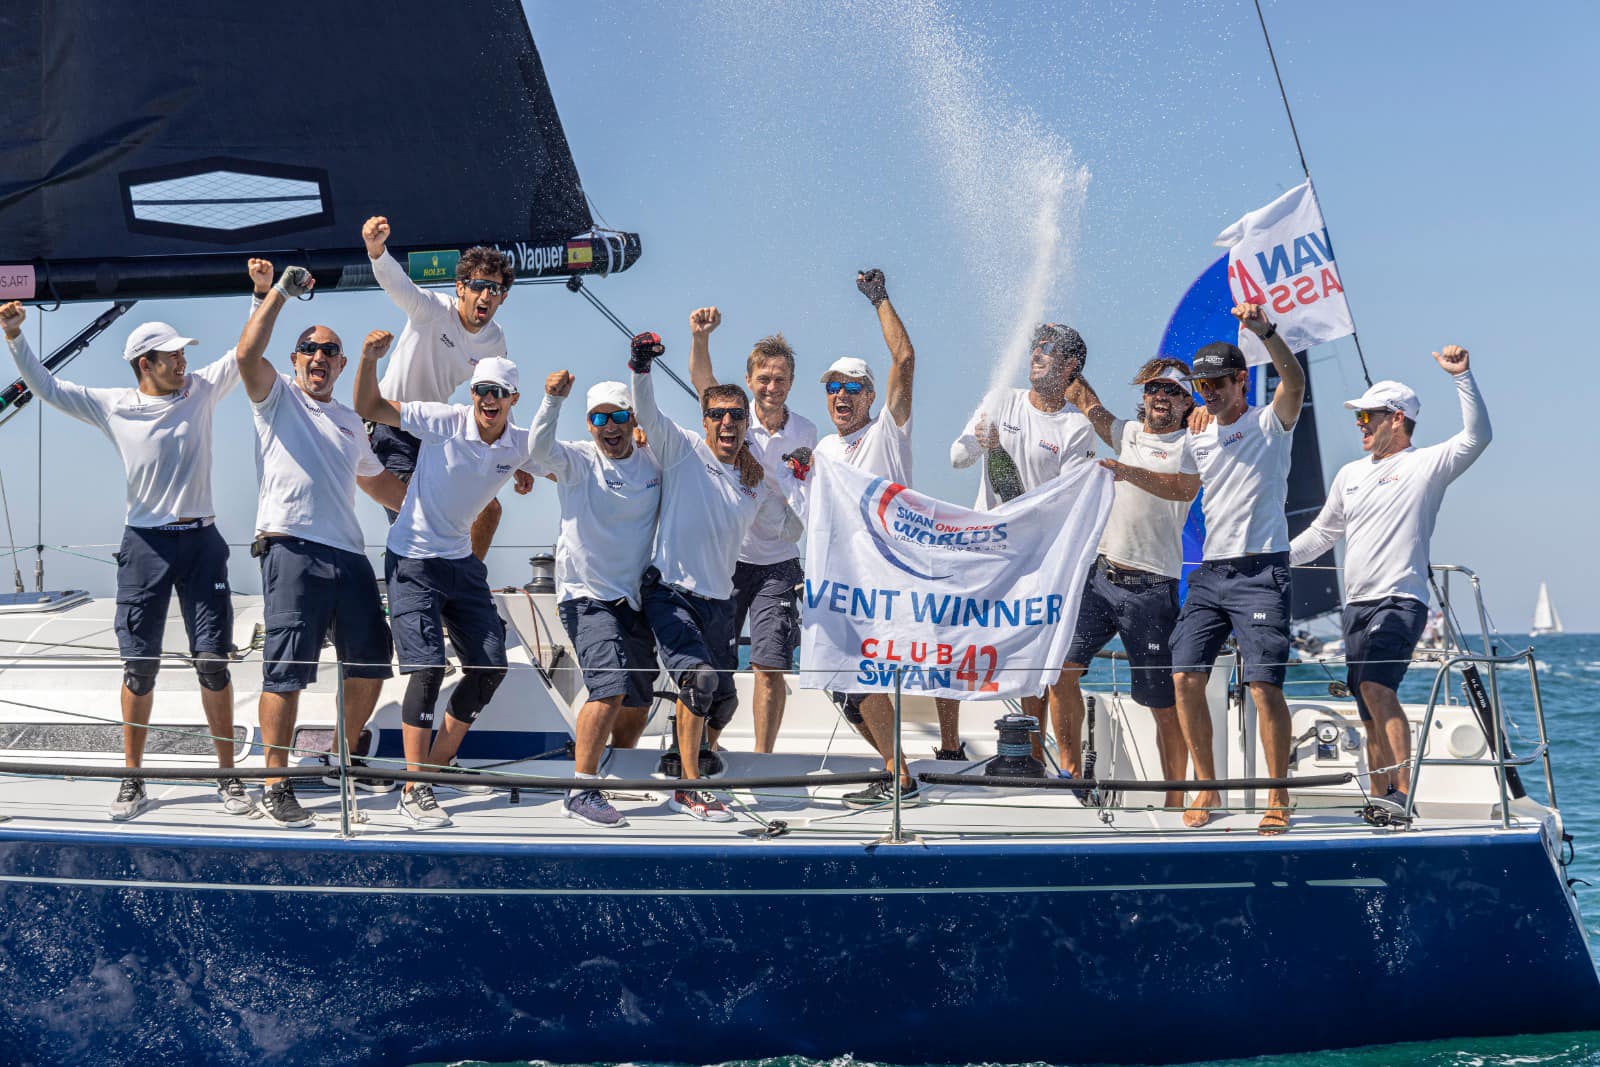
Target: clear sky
{"type": "Point", "coordinates": [1000, 161]}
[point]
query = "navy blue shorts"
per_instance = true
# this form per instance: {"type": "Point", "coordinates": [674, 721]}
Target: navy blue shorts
{"type": "Point", "coordinates": [1140, 608]}
{"type": "Point", "coordinates": [1379, 637]}
{"type": "Point", "coordinates": [309, 588]}
{"type": "Point", "coordinates": [1247, 595]}
{"type": "Point", "coordinates": [426, 596]}
{"type": "Point", "coordinates": [693, 631]}
{"type": "Point", "coordinates": [153, 562]}
{"type": "Point", "coordinates": [764, 593]}
{"type": "Point", "coordinates": [397, 451]}
{"type": "Point", "coordinates": [614, 648]}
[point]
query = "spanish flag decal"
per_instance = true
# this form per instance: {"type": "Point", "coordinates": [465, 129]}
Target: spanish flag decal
{"type": "Point", "coordinates": [580, 254]}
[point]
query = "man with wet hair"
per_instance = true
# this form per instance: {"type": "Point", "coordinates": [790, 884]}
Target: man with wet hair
{"type": "Point", "coordinates": [1385, 506]}
{"type": "Point", "coordinates": [610, 492]}
{"type": "Point", "coordinates": [1132, 588]}
{"type": "Point", "coordinates": [443, 340]}
{"type": "Point", "coordinates": [1042, 434]}
{"type": "Point", "coordinates": [881, 445]}
{"type": "Point", "coordinates": [434, 578]}
{"type": "Point", "coordinates": [311, 454]}
{"type": "Point", "coordinates": [713, 491]}
{"type": "Point", "coordinates": [1242, 583]}
{"type": "Point", "coordinates": [768, 573]}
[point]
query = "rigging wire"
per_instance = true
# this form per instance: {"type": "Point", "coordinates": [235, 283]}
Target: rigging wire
{"type": "Point", "coordinates": [577, 286]}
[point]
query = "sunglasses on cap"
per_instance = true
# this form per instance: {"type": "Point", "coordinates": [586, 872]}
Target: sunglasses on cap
{"type": "Point", "coordinates": [848, 388]}
{"type": "Point", "coordinates": [598, 419]}
{"type": "Point", "coordinates": [1164, 388]}
{"type": "Point", "coordinates": [484, 285]}
{"type": "Point", "coordinates": [332, 349]}
{"type": "Point", "coordinates": [499, 392]}
{"type": "Point", "coordinates": [737, 414]}
{"type": "Point", "coordinates": [1366, 417]}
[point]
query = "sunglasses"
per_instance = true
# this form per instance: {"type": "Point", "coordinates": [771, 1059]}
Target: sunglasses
{"type": "Point", "coordinates": [848, 388]}
{"type": "Point", "coordinates": [1051, 348]}
{"type": "Point", "coordinates": [1365, 418]}
{"type": "Point", "coordinates": [598, 419]}
{"type": "Point", "coordinates": [737, 414]}
{"type": "Point", "coordinates": [484, 285]}
{"type": "Point", "coordinates": [499, 392]}
{"type": "Point", "coordinates": [310, 348]}
{"type": "Point", "coordinates": [1163, 389]}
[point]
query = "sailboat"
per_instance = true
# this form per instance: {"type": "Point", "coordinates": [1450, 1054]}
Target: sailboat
{"type": "Point", "coordinates": [1546, 620]}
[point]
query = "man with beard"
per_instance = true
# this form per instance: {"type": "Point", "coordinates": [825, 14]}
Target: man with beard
{"type": "Point", "coordinates": [311, 454]}
{"type": "Point", "coordinates": [769, 571]}
{"type": "Point", "coordinates": [1132, 588]}
{"type": "Point", "coordinates": [712, 493]}
{"type": "Point", "coordinates": [1041, 433]}
{"type": "Point", "coordinates": [610, 494]}
{"type": "Point", "coordinates": [881, 445]}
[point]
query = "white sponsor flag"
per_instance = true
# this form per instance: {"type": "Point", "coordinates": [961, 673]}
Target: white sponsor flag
{"type": "Point", "coordinates": [1280, 256]}
{"type": "Point", "coordinates": [962, 603]}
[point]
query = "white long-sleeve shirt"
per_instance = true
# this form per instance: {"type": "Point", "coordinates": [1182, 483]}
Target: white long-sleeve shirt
{"type": "Point", "coordinates": [705, 510]}
{"type": "Point", "coordinates": [435, 352]}
{"type": "Point", "coordinates": [1386, 509]}
{"type": "Point", "coordinates": [1041, 442]}
{"type": "Point", "coordinates": [164, 441]}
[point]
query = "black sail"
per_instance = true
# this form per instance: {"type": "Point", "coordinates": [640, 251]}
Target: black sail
{"type": "Point", "coordinates": [1316, 584]}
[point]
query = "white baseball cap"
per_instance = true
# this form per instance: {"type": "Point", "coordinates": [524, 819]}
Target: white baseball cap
{"type": "Point", "coordinates": [1390, 395]}
{"type": "Point", "coordinates": [614, 393]}
{"type": "Point", "coordinates": [849, 367]}
{"type": "Point", "coordinates": [496, 371]}
{"type": "Point", "coordinates": [1168, 374]}
{"type": "Point", "coordinates": [154, 337]}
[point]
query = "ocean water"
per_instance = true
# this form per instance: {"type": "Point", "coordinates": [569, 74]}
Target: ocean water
{"type": "Point", "coordinates": [1569, 677]}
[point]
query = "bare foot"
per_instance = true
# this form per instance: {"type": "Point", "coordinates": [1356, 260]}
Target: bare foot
{"type": "Point", "coordinates": [1275, 821]}
{"type": "Point", "coordinates": [1198, 813]}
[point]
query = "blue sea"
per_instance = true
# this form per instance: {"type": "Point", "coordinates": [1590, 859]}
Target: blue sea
{"type": "Point", "coordinates": [1569, 676]}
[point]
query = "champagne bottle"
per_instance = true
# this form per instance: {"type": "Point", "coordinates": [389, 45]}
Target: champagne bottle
{"type": "Point", "coordinates": [1004, 478]}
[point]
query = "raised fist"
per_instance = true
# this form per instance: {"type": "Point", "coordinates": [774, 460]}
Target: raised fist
{"type": "Point", "coordinates": [799, 462]}
{"type": "Point", "coordinates": [295, 282]}
{"type": "Point", "coordinates": [375, 233]}
{"type": "Point", "coordinates": [558, 384]}
{"type": "Point", "coordinates": [260, 271]}
{"type": "Point", "coordinates": [704, 320]}
{"type": "Point", "coordinates": [1254, 318]}
{"type": "Point", "coordinates": [11, 316]}
{"type": "Point", "coordinates": [521, 482]}
{"type": "Point", "coordinates": [640, 439]}
{"type": "Point", "coordinates": [986, 433]}
{"type": "Point", "coordinates": [376, 344]}
{"type": "Point", "coordinates": [1453, 358]}
{"type": "Point", "coordinates": [644, 348]}
{"type": "Point", "coordinates": [872, 285]}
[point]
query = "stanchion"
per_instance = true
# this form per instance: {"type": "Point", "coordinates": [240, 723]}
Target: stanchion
{"type": "Point", "coordinates": [345, 791]}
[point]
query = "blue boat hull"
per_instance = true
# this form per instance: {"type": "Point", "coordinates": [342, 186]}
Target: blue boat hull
{"type": "Point", "coordinates": [150, 950]}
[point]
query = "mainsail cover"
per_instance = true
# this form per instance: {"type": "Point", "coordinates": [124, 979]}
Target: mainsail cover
{"type": "Point", "coordinates": [144, 148]}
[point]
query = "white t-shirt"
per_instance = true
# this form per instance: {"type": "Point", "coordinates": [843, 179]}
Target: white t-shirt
{"type": "Point", "coordinates": [608, 512]}
{"type": "Point", "coordinates": [308, 456]}
{"type": "Point", "coordinates": [1041, 442]}
{"type": "Point", "coordinates": [164, 441]}
{"type": "Point", "coordinates": [456, 477]}
{"type": "Point", "coordinates": [1386, 509]}
{"type": "Point", "coordinates": [761, 545]}
{"type": "Point", "coordinates": [1244, 469]}
{"type": "Point", "coordinates": [882, 446]}
{"type": "Point", "coordinates": [705, 510]}
{"type": "Point", "coordinates": [435, 352]}
{"type": "Point", "coordinates": [1145, 532]}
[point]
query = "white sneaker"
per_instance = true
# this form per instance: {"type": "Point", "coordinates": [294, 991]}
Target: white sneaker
{"type": "Point", "coordinates": [131, 800]}
{"type": "Point", "coordinates": [235, 798]}
{"type": "Point", "coordinates": [418, 805]}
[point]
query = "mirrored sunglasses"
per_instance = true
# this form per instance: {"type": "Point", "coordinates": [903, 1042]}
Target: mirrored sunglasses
{"type": "Point", "coordinates": [1366, 417]}
{"type": "Point", "coordinates": [848, 388]}
{"type": "Point", "coordinates": [597, 419]}
{"type": "Point", "coordinates": [737, 414]}
{"type": "Point", "coordinates": [480, 285]}
{"type": "Point", "coordinates": [1164, 388]}
{"type": "Point", "coordinates": [333, 349]}
{"type": "Point", "coordinates": [500, 392]}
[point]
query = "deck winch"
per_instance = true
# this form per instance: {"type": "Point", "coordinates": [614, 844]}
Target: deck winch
{"type": "Point", "coordinates": [1015, 748]}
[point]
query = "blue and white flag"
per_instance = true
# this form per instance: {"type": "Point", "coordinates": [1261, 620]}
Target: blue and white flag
{"type": "Point", "coordinates": [962, 603]}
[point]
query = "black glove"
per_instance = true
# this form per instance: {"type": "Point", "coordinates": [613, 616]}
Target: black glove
{"type": "Point", "coordinates": [295, 282]}
{"type": "Point", "coordinates": [872, 285]}
{"type": "Point", "coordinates": [646, 347]}
{"type": "Point", "coordinates": [799, 462]}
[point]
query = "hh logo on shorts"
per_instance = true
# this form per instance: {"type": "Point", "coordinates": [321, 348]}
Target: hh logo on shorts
{"type": "Point", "coordinates": [1258, 616]}
{"type": "Point", "coordinates": [1153, 646]}
{"type": "Point", "coordinates": [221, 587]}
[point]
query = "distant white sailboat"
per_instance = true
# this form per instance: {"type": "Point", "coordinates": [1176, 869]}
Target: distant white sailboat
{"type": "Point", "coordinates": [1546, 620]}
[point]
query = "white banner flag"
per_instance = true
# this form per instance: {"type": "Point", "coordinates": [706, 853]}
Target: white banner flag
{"type": "Point", "coordinates": [1280, 256]}
{"type": "Point", "coordinates": [961, 602]}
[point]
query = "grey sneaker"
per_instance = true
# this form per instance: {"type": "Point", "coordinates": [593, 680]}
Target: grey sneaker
{"type": "Point", "coordinates": [592, 807]}
{"type": "Point", "coordinates": [700, 804]}
{"type": "Point", "coordinates": [236, 800]}
{"type": "Point", "coordinates": [371, 785]}
{"type": "Point", "coordinates": [475, 790]}
{"type": "Point", "coordinates": [282, 808]}
{"type": "Point", "coordinates": [418, 805]}
{"type": "Point", "coordinates": [883, 793]}
{"type": "Point", "coordinates": [131, 800]}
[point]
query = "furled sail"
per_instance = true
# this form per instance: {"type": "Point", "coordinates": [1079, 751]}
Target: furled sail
{"type": "Point", "coordinates": [145, 148]}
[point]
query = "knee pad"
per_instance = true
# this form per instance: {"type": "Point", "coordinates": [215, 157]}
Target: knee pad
{"type": "Point", "coordinates": [139, 676]}
{"type": "Point", "coordinates": [422, 693]}
{"type": "Point", "coordinates": [697, 689]}
{"type": "Point", "coordinates": [213, 671]}
{"type": "Point", "coordinates": [722, 712]}
{"type": "Point", "coordinates": [475, 692]}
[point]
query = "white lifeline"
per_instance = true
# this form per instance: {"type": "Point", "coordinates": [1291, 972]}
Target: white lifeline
{"type": "Point", "coordinates": [1041, 442]}
{"type": "Point", "coordinates": [608, 512]}
{"type": "Point", "coordinates": [1244, 469]}
{"type": "Point", "coordinates": [164, 441]}
{"type": "Point", "coordinates": [762, 545]}
{"type": "Point", "coordinates": [309, 454]}
{"type": "Point", "coordinates": [882, 447]}
{"type": "Point", "coordinates": [1386, 509]}
{"type": "Point", "coordinates": [456, 477]}
{"type": "Point", "coordinates": [435, 353]}
{"type": "Point", "coordinates": [1144, 531]}
{"type": "Point", "coordinates": [705, 511]}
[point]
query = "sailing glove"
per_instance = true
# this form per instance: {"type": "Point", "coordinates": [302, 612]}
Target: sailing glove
{"type": "Point", "coordinates": [295, 282]}
{"type": "Point", "coordinates": [645, 347]}
{"type": "Point", "coordinates": [799, 462]}
{"type": "Point", "coordinates": [873, 285]}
